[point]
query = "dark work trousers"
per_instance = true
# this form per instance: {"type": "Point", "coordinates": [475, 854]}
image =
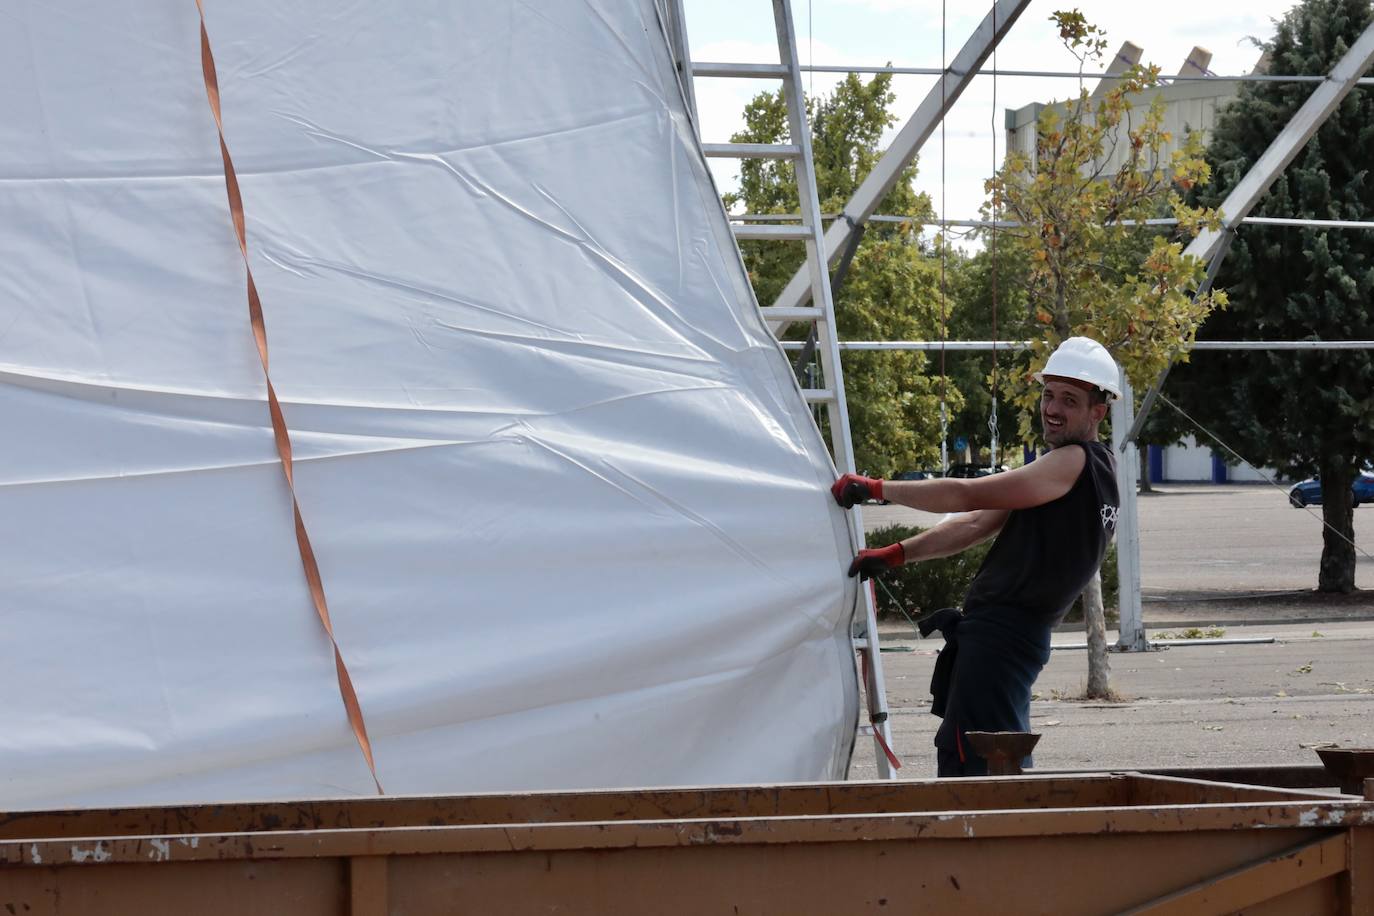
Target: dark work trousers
{"type": "Point", "coordinates": [983, 680]}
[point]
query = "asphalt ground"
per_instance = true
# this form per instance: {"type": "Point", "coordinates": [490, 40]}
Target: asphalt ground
{"type": "Point", "coordinates": [1235, 560]}
{"type": "Point", "coordinates": [1185, 705]}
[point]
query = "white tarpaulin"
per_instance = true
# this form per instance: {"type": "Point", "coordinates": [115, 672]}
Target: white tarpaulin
{"type": "Point", "coordinates": [569, 507]}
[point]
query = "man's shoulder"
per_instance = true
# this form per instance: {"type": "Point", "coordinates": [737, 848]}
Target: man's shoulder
{"type": "Point", "coordinates": [1100, 452]}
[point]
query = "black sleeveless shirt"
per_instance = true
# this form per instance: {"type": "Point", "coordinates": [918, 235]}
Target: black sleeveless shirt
{"type": "Point", "coordinates": [1045, 556]}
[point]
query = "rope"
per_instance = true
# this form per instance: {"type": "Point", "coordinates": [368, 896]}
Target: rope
{"type": "Point", "coordinates": [810, 52]}
{"type": "Point", "coordinates": [898, 604]}
{"type": "Point", "coordinates": [1267, 479]}
{"type": "Point", "coordinates": [992, 413]}
{"type": "Point", "coordinates": [279, 431]}
{"type": "Point", "coordinates": [944, 318]}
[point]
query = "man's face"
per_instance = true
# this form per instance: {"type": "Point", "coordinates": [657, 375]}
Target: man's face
{"type": "Point", "coordinates": [1068, 413]}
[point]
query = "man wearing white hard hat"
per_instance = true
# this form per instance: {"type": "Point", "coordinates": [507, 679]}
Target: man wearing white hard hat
{"type": "Point", "coordinates": [1052, 520]}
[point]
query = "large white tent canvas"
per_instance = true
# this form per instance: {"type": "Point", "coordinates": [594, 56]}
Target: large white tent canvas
{"type": "Point", "coordinates": [569, 506]}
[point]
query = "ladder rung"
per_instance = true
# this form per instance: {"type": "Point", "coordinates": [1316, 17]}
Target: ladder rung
{"type": "Point", "coordinates": [788, 313]}
{"type": "Point", "coordinates": [744, 71]}
{"type": "Point", "coordinates": [752, 150]}
{"type": "Point", "coordinates": [818, 395]}
{"type": "Point", "coordinates": [768, 231]}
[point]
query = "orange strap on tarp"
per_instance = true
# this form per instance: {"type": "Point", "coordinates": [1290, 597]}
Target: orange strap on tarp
{"type": "Point", "coordinates": [279, 430]}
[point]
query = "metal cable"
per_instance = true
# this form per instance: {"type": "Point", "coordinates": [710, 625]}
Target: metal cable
{"type": "Point", "coordinates": [992, 413]}
{"type": "Point", "coordinates": [899, 606]}
{"type": "Point", "coordinates": [944, 317]}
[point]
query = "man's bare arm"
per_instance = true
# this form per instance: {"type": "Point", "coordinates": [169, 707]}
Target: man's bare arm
{"type": "Point", "coordinates": [1043, 480]}
{"type": "Point", "coordinates": [955, 534]}
{"type": "Point", "coordinates": [945, 539]}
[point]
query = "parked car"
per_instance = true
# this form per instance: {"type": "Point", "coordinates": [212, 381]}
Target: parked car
{"type": "Point", "coordinates": [974, 470]}
{"type": "Point", "coordinates": [1309, 492]}
{"type": "Point", "coordinates": [918, 475]}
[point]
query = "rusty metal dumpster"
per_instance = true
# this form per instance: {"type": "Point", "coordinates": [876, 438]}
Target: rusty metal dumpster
{"type": "Point", "coordinates": [1107, 843]}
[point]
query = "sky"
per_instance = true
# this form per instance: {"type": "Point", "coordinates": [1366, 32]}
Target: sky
{"type": "Point", "coordinates": [908, 33]}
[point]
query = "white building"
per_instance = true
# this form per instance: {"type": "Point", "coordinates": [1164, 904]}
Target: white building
{"type": "Point", "coordinates": [1189, 105]}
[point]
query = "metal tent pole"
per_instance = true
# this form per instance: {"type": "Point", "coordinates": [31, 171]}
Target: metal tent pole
{"type": "Point", "coordinates": [1131, 629]}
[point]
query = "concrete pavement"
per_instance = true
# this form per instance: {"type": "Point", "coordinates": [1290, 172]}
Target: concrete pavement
{"type": "Point", "coordinates": [1184, 706]}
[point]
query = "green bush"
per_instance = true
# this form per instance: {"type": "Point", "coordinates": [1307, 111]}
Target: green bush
{"type": "Point", "coordinates": [933, 584]}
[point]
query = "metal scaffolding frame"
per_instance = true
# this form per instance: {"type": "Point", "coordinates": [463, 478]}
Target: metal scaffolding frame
{"type": "Point", "coordinates": [1012, 224]}
{"type": "Point", "coordinates": [1074, 74]}
{"type": "Point", "coordinates": [1209, 245]}
{"type": "Point", "coordinates": [971, 346]}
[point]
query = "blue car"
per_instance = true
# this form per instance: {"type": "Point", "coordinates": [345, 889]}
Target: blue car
{"type": "Point", "coordinates": [1309, 492]}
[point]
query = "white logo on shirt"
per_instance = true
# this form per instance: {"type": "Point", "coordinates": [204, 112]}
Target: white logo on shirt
{"type": "Point", "coordinates": [1109, 517]}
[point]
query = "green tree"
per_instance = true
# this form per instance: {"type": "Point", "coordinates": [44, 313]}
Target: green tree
{"type": "Point", "coordinates": [985, 289]}
{"type": "Point", "coordinates": [990, 302]}
{"type": "Point", "coordinates": [890, 292]}
{"type": "Point", "coordinates": [1300, 412]}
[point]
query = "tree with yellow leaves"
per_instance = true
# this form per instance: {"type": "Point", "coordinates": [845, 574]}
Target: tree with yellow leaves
{"type": "Point", "coordinates": [1100, 170]}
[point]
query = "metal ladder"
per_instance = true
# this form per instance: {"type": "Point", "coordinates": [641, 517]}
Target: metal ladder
{"type": "Point", "coordinates": [821, 311]}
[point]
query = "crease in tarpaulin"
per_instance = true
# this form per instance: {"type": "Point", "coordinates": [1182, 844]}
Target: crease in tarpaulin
{"type": "Point", "coordinates": [674, 143]}
{"type": "Point", "coordinates": [639, 289]}
{"type": "Point", "coordinates": [653, 302]}
{"type": "Point", "coordinates": [394, 155]}
{"type": "Point", "coordinates": [577, 347]}
{"type": "Point", "coordinates": [292, 260]}
{"type": "Point", "coordinates": [302, 166]}
{"type": "Point", "coordinates": [385, 445]}
{"type": "Point", "coordinates": [285, 260]}
{"type": "Point", "coordinates": [646, 68]}
{"type": "Point", "coordinates": [714, 676]}
{"type": "Point", "coordinates": [279, 430]}
{"type": "Point", "coordinates": [124, 473]}
{"type": "Point", "coordinates": [612, 267]}
{"type": "Point", "coordinates": [92, 392]}
{"type": "Point", "coordinates": [659, 499]}
{"type": "Point", "coordinates": [520, 431]}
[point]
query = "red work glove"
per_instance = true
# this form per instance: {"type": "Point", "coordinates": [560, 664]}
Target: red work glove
{"type": "Point", "coordinates": [870, 563]}
{"type": "Point", "coordinates": [851, 489]}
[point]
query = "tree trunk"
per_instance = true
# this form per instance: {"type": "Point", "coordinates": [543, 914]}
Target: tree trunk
{"type": "Point", "coordinates": [1338, 534]}
{"type": "Point", "coordinates": [1095, 619]}
{"type": "Point", "coordinates": [1144, 451]}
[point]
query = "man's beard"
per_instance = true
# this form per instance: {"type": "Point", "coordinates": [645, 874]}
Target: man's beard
{"type": "Point", "coordinates": [1064, 435]}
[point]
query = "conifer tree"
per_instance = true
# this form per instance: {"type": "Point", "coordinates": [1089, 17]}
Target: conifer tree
{"type": "Point", "coordinates": [1300, 412]}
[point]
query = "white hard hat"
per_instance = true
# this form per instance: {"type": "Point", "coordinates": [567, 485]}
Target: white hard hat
{"type": "Point", "coordinates": [1086, 360]}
